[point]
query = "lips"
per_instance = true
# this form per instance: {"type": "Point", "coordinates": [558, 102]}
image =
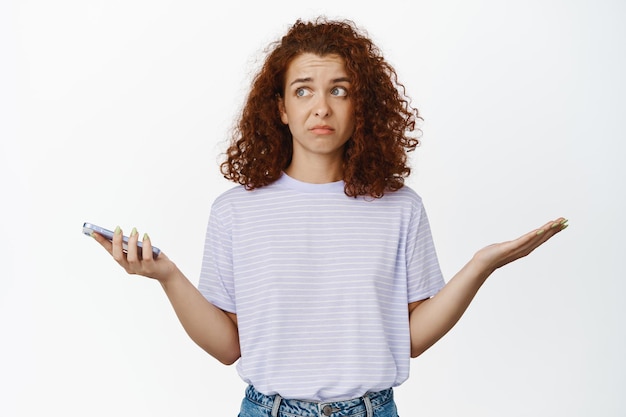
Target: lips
{"type": "Point", "coordinates": [322, 129]}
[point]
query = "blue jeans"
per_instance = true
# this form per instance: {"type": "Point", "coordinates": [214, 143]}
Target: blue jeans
{"type": "Point", "coordinates": [373, 404]}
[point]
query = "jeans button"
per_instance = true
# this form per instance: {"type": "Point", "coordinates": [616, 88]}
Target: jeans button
{"type": "Point", "coordinates": [327, 410]}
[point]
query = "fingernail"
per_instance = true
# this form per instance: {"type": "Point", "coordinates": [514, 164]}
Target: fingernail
{"type": "Point", "coordinates": [555, 225]}
{"type": "Point", "coordinates": [117, 230]}
{"type": "Point", "coordinates": [564, 226]}
{"type": "Point", "coordinates": [145, 236]}
{"type": "Point", "coordinates": [540, 231]}
{"type": "Point", "coordinates": [134, 231]}
{"type": "Point", "coordinates": [564, 221]}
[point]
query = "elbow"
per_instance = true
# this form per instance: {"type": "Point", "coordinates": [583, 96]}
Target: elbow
{"type": "Point", "coordinates": [225, 355]}
{"type": "Point", "coordinates": [418, 348]}
{"type": "Point", "coordinates": [229, 357]}
{"type": "Point", "coordinates": [230, 352]}
{"type": "Point", "coordinates": [415, 352]}
{"type": "Point", "coordinates": [228, 360]}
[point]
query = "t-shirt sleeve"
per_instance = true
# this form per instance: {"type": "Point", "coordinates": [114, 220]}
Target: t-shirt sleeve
{"type": "Point", "coordinates": [216, 275]}
{"type": "Point", "coordinates": [424, 277]}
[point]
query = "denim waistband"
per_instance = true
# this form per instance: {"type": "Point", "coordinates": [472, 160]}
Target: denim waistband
{"type": "Point", "coordinates": [362, 405]}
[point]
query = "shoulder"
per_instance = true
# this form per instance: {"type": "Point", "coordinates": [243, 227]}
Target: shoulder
{"type": "Point", "coordinates": [241, 198]}
{"type": "Point", "coordinates": [235, 193]}
{"type": "Point", "coordinates": [408, 201]}
{"type": "Point", "coordinates": [406, 195]}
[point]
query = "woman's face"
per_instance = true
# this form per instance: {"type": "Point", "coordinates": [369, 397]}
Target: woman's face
{"type": "Point", "coordinates": [317, 106]}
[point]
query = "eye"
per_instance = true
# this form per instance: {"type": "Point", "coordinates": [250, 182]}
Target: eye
{"type": "Point", "coordinates": [302, 92]}
{"type": "Point", "coordinates": [339, 91]}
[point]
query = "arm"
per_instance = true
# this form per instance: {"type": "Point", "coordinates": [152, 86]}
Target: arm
{"type": "Point", "coordinates": [213, 329]}
{"type": "Point", "coordinates": [431, 319]}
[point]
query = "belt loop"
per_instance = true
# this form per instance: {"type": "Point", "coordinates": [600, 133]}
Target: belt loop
{"type": "Point", "coordinates": [368, 406]}
{"type": "Point", "coordinates": [277, 400]}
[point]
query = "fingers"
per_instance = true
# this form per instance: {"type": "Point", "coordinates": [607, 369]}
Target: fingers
{"type": "Point", "coordinates": [133, 258]}
{"type": "Point", "coordinates": [500, 254]}
{"type": "Point", "coordinates": [125, 251]}
{"type": "Point", "coordinates": [550, 229]}
{"type": "Point", "coordinates": [553, 226]}
{"type": "Point", "coordinates": [117, 247]}
{"type": "Point", "coordinates": [103, 241]}
{"type": "Point", "coordinates": [132, 252]}
{"type": "Point", "coordinates": [147, 248]}
{"type": "Point", "coordinates": [532, 240]}
{"type": "Point", "coordinates": [538, 236]}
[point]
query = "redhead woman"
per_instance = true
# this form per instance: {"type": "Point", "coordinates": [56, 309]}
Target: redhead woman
{"type": "Point", "coordinates": [319, 276]}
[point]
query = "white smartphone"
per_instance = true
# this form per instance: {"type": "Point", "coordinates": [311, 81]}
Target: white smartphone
{"type": "Point", "coordinates": [89, 228]}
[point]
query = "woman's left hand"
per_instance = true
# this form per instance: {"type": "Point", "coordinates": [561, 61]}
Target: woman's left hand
{"type": "Point", "coordinates": [434, 317]}
{"type": "Point", "coordinates": [499, 254]}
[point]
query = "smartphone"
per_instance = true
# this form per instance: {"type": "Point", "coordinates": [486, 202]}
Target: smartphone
{"type": "Point", "coordinates": [89, 228]}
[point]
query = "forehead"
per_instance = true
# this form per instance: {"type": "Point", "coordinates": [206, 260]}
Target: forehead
{"type": "Point", "coordinates": [308, 64]}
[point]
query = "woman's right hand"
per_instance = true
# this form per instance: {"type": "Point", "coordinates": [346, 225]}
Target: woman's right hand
{"type": "Point", "coordinates": [144, 264]}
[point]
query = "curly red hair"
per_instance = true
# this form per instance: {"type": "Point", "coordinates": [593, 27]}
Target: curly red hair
{"type": "Point", "coordinates": [375, 157]}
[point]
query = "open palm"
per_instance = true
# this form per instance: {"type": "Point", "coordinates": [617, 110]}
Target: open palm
{"type": "Point", "coordinates": [499, 254]}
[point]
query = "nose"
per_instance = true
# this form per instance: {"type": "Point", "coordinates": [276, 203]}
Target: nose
{"type": "Point", "coordinates": [322, 109]}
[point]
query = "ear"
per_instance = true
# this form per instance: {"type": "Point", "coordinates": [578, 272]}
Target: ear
{"type": "Point", "coordinates": [282, 111]}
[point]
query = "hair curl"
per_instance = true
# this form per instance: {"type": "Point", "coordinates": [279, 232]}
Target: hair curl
{"type": "Point", "coordinates": [375, 157]}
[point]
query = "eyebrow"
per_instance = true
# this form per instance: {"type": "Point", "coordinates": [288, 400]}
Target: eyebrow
{"type": "Point", "coordinates": [309, 79]}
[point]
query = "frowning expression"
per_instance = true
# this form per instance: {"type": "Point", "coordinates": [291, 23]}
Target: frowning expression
{"type": "Point", "coordinates": [317, 106]}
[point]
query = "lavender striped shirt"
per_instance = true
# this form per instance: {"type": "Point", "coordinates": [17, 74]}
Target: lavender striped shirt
{"type": "Point", "coordinates": [320, 283]}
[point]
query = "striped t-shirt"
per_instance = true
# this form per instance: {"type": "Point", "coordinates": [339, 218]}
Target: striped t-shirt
{"type": "Point", "coordinates": [320, 283]}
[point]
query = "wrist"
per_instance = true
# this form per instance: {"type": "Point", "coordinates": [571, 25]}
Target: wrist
{"type": "Point", "coordinates": [169, 274]}
{"type": "Point", "coordinates": [480, 267]}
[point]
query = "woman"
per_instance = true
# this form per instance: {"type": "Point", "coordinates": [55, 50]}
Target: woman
{"type": "Point", "coordinates": [319, 271]}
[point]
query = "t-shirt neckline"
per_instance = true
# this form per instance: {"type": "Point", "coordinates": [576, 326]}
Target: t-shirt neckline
{"type": "Point", "coordinates": [307, 187]}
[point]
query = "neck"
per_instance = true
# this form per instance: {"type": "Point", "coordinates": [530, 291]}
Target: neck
{"type": "Point", "coordinates": [317, 172]}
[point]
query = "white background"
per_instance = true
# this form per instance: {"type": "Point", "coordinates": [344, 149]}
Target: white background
{"type": "Point", "coordinates": [115, 112]}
